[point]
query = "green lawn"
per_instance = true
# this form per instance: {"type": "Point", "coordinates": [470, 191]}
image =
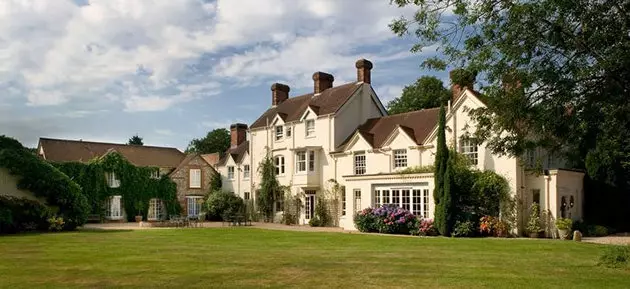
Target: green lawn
{"type": "Point", "coordinates": [246, 257]}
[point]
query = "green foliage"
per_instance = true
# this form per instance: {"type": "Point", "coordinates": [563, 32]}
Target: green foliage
{"type": "Point", "coordinates": [45, 181]}
{"type": "Point", "coordinates": [270, 189]}
{"type": "Point", "coordinates": [533, 224]}
{"type": "Point", "coordinates": [365, 221]}
{"type": "Point", "coordinates": [216, 141]}
{"type": "Point", "coordinates": [292, 208]}
{"type": "Point", "coordinates": [322, 216]}
{"type": "Point", "coordinates": [493, 226]}
{"type": "Point", "coordinates": [556, 75]}
{"type": "Point", "coordinates": [448, 210]}
{"type": "Point", "coordinates": [55, 224]}
{"type": "Point", "coordinates": [20, 214]}
{"type": "Point", "coordinates": [215, 182]}
{"type": "Point", "coordinates": [135, 140]}
{"type": "Point", "coordinates": [441, 160]}
{"type": "Point", "coordinates": [564, 224]}
{"type": "Point", "coordinates": [464, 229]}
{"type": "Point", "coordinates": [426, 92]}
{"type": "Point", "coordinates": [136, 188]}
{"type": "Point", "coordinates": [223, 206]}
{"type": "Point", "coordinates": [387, 219]}
{"type": "Point", "coordinates": [615, 257]}
{"type": "Point", "coordinates": [418, 170]}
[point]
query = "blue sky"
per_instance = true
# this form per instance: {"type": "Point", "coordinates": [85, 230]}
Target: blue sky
{"type": "Point", "coordinates": [170, 71]}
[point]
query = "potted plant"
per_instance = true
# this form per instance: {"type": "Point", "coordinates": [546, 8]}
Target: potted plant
{"type": "Point", "coordinates": [533, 225]}
{"type": "Point", "coordinates": [564, 227]}
{"type": "Point", "coordinates": [139, 210]}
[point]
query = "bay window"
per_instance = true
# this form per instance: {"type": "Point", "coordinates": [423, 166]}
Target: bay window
{"type": "Point", "coordinates": [413, 199]}
{"type": "Point", "coordinates": [305, 160]}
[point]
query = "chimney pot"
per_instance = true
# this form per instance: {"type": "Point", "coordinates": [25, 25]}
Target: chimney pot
{"type": "Point", "coordinates": [460, 80]}
{"type": "Point", "coordinates": [322, 81]}
{"type": "Point", "coordinates": [364, 68]}
{"type": "Point", "coordinates": [279, 93]}
{"type": "Point", "coordinates": [238, 134]}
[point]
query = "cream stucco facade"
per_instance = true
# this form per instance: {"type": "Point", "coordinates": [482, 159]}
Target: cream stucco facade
{"type": "Point", "coordinates": [307, 156]}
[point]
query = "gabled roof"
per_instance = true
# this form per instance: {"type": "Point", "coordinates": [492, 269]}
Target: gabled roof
{"type": "Point", "coordinates": [237, 153]}
{"type": "Point", "coordinates": [329, 101]}
{"type": "Point", "coordinates": [417, 124]}
{"type": "Point", "coordinates": [191, 157]}
{"type": "Point", "coordinates": [60, 150]}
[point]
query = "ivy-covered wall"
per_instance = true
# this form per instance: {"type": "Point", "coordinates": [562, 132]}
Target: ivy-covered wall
{"type": "Point", "coordinates": [62, 195]}
{"type": "Point", "coordinates": [136, 185]}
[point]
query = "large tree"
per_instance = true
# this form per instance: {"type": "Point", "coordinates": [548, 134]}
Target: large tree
{"type": "Point", "coordinates": [135, 140]}
{"type": "Point", "coordinates": [216, 141]}
{"type": "Point", "coordinates": [426, 92]}
{"type": "Point", "coordinates": [556, 75]}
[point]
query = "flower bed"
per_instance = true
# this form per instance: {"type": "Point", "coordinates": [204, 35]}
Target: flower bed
{"type": "Point", "coordinates": [387, 219]}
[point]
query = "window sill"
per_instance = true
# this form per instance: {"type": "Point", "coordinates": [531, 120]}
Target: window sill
{"type": "Point", "coordinates": [309, 136]}
{"type": "Point", "coordinates": [305, 173]}
{"type": "Point", "coordinates": [195, 188]}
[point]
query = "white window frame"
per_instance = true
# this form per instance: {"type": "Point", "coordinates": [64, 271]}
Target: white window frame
{"type": "Point", "coordinates": [308, 205]}
{"type": "Point", "coordinates": [156, 209]}
{"type": "Point", "coordinates": [155, 173]}
{"type": "Point", "coordinates": [112, 180]}
{"type": "Point", "coordinates": [400, 158]}
{"type": "Point", "coordinates": [194, 178]}
{"type": "Point", "coordinates": [470, 149]}
{"type": "Point", "coordinates": [343, 203]}
{"type": "Point", "coordinates": [414, 199]}
{"type": "Point", "coordinates": [195, 209]}
{"type": "Point", "coordinates": [289, 132]}
{"type": "Point", "coordinates": [246, 171]}
{"type": "Point", "coordinates": [360, 163]}
{"type": "Point", "coordinates": [311, 160]}
{"type": "Point", "coordinates": [357, 200]}
{"type": "Point", "coordinates": [307, 164]}
{"type": "Point", "coordinates": [279, 132]}
{"type": "Point", "coordinates": [309, 127]}
{"type": "Point", "coordinates": [113, 208]}
{"type": "Point", "coordinates": [247, 196]}
{"type": "Point", "coordinates": [230, 172]}
{"type": "Point", "coordinates": [278, 162]}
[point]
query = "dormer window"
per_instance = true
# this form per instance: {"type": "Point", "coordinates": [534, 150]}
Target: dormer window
{"type": "Point", "coordinates": [112, 180]}
{"type": "Point", "coordinates": [310, 127]}
{"type": "Point", "coordinates": [279, 132]}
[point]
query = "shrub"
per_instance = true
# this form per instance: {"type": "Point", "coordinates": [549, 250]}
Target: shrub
{"type": "Point", "coordinates": [493, 226]}
{"type": "Point", "coordinates": [564, 224]}
{"type": "Point", "coordinates": [463, 229]}
{"type": "Point", "coordinates": [223, 206]}
{"type": "Point", "coordinates": [599, 231]}
{"type": "Point", "coordinates": [426, 228]}
{"type": "Point", "coordinates": [615, 257]}
{"type": "Point", "coordinates": [20, 215]}
{"type": "Point", "coordinates": [533, 225]}
{"type": "Point", "coordinates": [365, 221]}
{"type": "Point", "coordinates": [322, 216]}
{"type": "Point", "coordinates": [55, 224]}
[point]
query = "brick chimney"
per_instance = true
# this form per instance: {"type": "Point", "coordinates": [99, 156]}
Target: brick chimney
{"type": "Point", "coordinates": [322, 81]}
{"type": "Point", "coordinates": [238, 134]}
{"type": "Point", "coordinates": [364, 68]}
{"type": "Point", "coordinates": [279, 93]}
{"type": "Point", "coordinates": [460, 80]}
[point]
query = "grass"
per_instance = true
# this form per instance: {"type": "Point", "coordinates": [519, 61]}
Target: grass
{"type": "Point", "coordinates": [254, 258]}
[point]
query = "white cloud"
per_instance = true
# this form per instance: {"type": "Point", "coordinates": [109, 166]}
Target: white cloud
{"type": "Point", "coordinates": [388, 93]}
{"type": "Point", "coordinates": [164, 132]}
{"type": "Point", "coordinates": [214, 124]}
{"type": "Point", "coordinates": [142, 53]}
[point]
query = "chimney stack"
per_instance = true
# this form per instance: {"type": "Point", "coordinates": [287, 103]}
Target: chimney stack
{"type": "Point", "coordinates": [322, 81]}
{"type": "Point", "coordinates": [238, 134]}
{"type": "Point", "coordinates": [364, 68]}
{"type": "Point", "coordinates": [279, 93]}
{"type": "Point", "coordinates": [460, 80]}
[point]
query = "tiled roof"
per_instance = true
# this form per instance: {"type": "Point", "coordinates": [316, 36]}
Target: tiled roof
{"type": "Point", "coordinates": [237, 153]}
{"type": "Point", "coordinates": [417, 124]}
{"type": "Point", "coordinates": [329, 101]}
{"type": "Point", "coordinates": [60, 150]}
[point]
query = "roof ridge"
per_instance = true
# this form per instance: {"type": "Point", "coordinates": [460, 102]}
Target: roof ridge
{"type": "Point", "coordinates": [106, 143]}
{"type": "Point", "coordinates": [312, 93]}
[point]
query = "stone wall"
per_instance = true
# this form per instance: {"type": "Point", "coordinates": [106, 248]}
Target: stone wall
{"type": "Point", "coordinates": [181, 177]}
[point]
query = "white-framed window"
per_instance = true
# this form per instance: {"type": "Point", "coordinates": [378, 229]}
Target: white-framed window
{"type": "Point", "coordinates": [279, 132]}
{"type": "Point", "coordinates": [311, 161]}
{"type": "Point", "coordinates": [113, 208]}
{"type": "Point", "coordinates": [309, 204]}
{"type": "Point", "coordinates": [400, 158]}
{"type": "Point", "coordinates": [230, 175]}
{"type": "Point", "coordinates": [357, 200]}
{"type": "Point", "coordinates": [194, 205]}
{"type": "Point", "coordinates": [359, 164]}
{"type": "Point", "coordinates": [343, 203]}
{"type": "Point", "coordinates": [288, 132]}
{"type": "Point", "coordinates": [247, 195]}
{"type": "Point", "coordinates": [279, 162]}
{"type": "Point", "coordinates": [112, 180]}
{"type": "Point", "coordinates": [155, 173]}
{"type": "Point", "coordinates": [300, 161]}
{"type": "Point", "coordinates": [156, 209]}
{"type": "Point", "coordinates": [412, 199]}
{"type": "Point", "coordinates": [468, 147]}
{"type": "Point", "coordinates": [246, 171]}
{"type": "Point", "coordinates": [310, 127]}
{"type": "Point", "coordinates": [195, 179]}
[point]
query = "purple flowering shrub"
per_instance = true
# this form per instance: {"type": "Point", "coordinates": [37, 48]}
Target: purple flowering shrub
{"type": "Point", "coordinates": [388, 219]}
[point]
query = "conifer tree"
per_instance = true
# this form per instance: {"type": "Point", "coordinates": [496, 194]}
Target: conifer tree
{"type": "Point", "coordinates": [441, 159]}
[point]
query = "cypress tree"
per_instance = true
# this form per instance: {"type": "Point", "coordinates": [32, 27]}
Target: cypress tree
{"type": "Point", "coordinates": [441, 159]}
{"type": "Point", "coordinates": [448, 209]}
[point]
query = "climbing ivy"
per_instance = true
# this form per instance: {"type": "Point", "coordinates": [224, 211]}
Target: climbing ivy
{"type": "Point", "coordinates": [63, 196]}
{"type": "Point", "coordinates": [136, 188]}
